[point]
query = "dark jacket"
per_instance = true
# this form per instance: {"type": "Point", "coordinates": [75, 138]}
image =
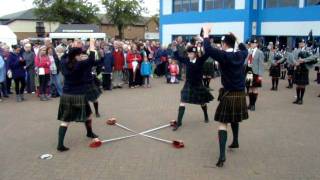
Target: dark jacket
{"type": "Point", "coordinates": [75, 80]}
{"type": "Point", "coordinates": [231, 65]}
{"type": "Point", "coordinates": [108, 63]}
{"type": "Point", "coordinates": [29, 58]}
{"type": "Point", "coordinates": [16, 66]}
{"type": "Point", "coordinates": [194, 71]}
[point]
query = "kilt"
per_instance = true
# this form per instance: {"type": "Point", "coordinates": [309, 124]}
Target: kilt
{"type": "Point", "coordinates": [275, 71]}
{"type": "Point", "coordinates": [232, 107]}
{"type": "Point", "coordinates": [93, 92]}
{"type": "Point", "coordinates": [290, 70]}
{"type": "Point", "coordinates": [73, 108]}
{"type": "Point", "coordinates": [255, 82]}
{"type": "Point", "coordinates": [301, 76]}
{"type": "Point", "coordinates": [195, 94]}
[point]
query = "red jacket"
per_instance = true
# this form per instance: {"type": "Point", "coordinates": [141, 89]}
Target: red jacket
{"type": "Point", "coordinates": [130, 58]}
{"type": "Point", "coordinates": [174, 69]}
{"type": "Point", "coordinates": [118, 60]}
{"type": "Point", "coordinates": [43, 62]}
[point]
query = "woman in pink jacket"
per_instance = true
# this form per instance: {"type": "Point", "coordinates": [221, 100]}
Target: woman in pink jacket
{"type": "Point", "coordinates": [42, 63]}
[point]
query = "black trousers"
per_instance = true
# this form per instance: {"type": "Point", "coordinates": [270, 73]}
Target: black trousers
{"type": "Point", "coordinates": [4, 88]}
{"type": "Point", "coordinates": [139, 78]}
{"type": "Point", "coordinates": [8, 84]}
{"type": "Point", "coordinates": [106, 81]}
{"type": "Point", "coordinates": [44, 80]}
{"type": "Point", "coordinates": [132, 80]}
{"type": "Point", "coordinates": [20, 84]}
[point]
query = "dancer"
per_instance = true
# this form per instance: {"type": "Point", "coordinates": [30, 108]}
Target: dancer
{"type": "Point", "coordinates": [74, 106]}
{"type": "Point", "coordinates": [232, 107]}
{"type": "Point", "coordinates": [193, 92]}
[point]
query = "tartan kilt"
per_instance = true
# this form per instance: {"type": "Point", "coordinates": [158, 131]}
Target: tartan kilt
{"type": "Point", "coordinates": [301, 76]}
{"type": "Point", "coordinates": [93, 92]}
{"type": "Point", "coordinates": [73, 108]}
{"type": "Point", "coordinates": [290, 71]}
{"type": "Point", "coordinates": [195, 94]}
{"type": "Point", "coordinates": [275, 71]}
{"type": "Point", "coordinates": [232, 108]}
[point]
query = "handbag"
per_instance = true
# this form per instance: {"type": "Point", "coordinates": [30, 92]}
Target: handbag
{"type": "Point", "coordinates": [41, 71]}
{"type": "Point", "coordinates": [9, 74]}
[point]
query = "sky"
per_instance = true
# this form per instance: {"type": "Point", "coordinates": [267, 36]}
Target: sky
{"type": "Point", "coordinates": [11, 6]}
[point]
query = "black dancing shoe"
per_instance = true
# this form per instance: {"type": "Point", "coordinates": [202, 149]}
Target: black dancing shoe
{"type": "Point", "coordinates": [234, 146]}
{"type": "Point", "coordinates": [92, 135]}
{"type": "Point", "coordinates": [98, 115]}
{"type": "Point", "coordinates": [62, 148]}
{"type": "Point", "coordinates": [206, 120]}
{"type": "Point", "coordinates": [220, 162]}
{"type": "Point", "coordinates": [300, 102]}
{"type": "Point", "coordinates": [296, 101]}
{"type": "Point", "coordinates": [253, 108]}
{"type": "Point", "coordinates": [176, 127]}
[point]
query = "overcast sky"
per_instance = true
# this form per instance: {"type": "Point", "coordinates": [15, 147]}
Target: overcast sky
{"type": "Point", "coordinates": [11, 6]}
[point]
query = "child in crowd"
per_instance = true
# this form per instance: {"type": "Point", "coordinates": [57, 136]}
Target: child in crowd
{"type": "Point", "coordinates": [146, 70]}
{"type": "Point", "coordinates": [174, 71]}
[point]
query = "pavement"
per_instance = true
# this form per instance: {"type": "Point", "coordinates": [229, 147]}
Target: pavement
{"type": "Point", "coordinates": [278, 141]}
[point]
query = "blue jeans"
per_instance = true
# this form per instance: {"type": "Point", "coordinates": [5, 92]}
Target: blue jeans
{"type": "Point", "coordinates": [56, 80]}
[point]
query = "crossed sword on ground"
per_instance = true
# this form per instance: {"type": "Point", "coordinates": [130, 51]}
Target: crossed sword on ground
{"type": "Point", "coordinates": [113, 122]}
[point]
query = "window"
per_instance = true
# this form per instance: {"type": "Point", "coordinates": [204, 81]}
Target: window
{"type": "Point", "coordinates": [177, 6]}
{"type": "Point", "coordinates": [312, 2]}
{"type": "Point", "coordinates": [185, 5]}
{"type": "Point", "coordinates": [194, 5]}
{"type": "Point", "coordinates": [219, 4]}
{"type": "Point", "coordinates": [281, 3]}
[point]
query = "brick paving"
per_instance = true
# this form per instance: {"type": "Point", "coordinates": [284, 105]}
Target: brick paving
{"type": "Point", "coordinates": [279, 141]}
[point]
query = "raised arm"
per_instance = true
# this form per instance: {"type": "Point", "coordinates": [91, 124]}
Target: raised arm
{"type": "Point", "coordinates": [214, 53]}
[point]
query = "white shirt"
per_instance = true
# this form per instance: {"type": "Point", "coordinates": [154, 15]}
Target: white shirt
{"type": "Point", "coordinates": [230, 50]}
{"type": "Point", "coordinates": [193, 61]}
{"type": "Point", "coordinates": [254, 52]}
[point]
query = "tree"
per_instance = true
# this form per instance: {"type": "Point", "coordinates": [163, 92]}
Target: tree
{"type": "Point", "coordinates": [123, 12]}
{"type": "Point", "coordinates": [66, 11]}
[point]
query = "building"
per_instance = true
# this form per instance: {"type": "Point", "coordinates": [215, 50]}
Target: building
{"type": "Point", "coordinates": [77, 31]}
{"type": "Point", "coordinates": [271, 20]}
{"type": "Point", "coordinates": [24, 24]}
{"type": "Point", "coordinates": [145, 28]}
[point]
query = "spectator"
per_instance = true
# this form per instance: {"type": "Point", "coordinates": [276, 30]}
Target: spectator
{"type": "Point", "coordinates": [54, 72]}
{"type": "Point", "coordinates": [108, 63]}
{"type": "Point", "coordinates": [146, 70]}
{"type": "Point", "coordinates": [42, 62]}
{"type": "Point", "coordinates": [29, 56]}
{"type": "Point", "coordinates": [133, 58]}
{"type": "Point", "coordinates": [118, 55]}
{"type": "Point", "coordinates": [2, 74]}
{"type": "Point", "coordinates": [17, 67]}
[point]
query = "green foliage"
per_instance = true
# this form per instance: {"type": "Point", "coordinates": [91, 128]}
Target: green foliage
{"type": "Point", "coordinates": [67, 11]}
{"type": "Point", "coordinates": [123, 12]}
